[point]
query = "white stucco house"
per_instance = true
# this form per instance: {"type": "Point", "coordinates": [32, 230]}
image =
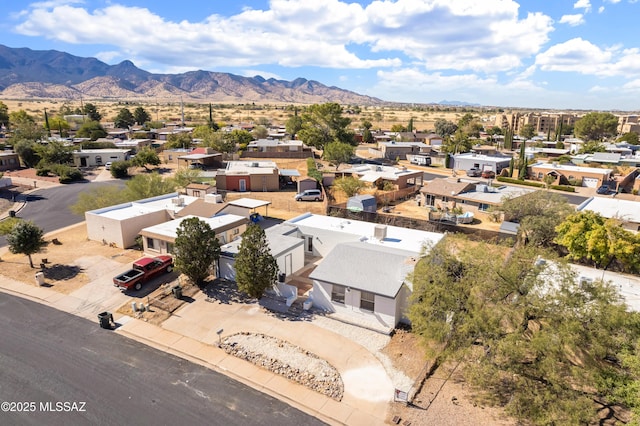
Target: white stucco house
{"type": "Point", "coordinates": [99, 157]}
{"type": "Point", "coordinates": [363, 273]}
{"type": "Point", "coordinates": [121, 224]}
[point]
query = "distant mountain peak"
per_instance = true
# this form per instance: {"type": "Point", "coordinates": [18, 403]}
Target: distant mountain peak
{"type": "Point", "coordinates": [52, 74]}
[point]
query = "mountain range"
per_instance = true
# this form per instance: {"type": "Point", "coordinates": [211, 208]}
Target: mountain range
{"type": "Point", "coordinates": [51, 74]}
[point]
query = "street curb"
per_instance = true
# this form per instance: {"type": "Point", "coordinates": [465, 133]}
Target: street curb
{"type": "Point", "coordinates": [191, 358]}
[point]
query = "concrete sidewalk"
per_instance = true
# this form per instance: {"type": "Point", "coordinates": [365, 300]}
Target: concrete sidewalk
{"type": "Point", "coordinates": [191, 334]}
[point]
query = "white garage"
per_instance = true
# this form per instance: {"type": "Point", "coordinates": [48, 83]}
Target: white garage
{"type": "Point", "coordinates": [590, 182]}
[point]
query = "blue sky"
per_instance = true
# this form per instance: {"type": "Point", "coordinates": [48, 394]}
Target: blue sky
{"type": "Point", "coordinates": [557, 54]}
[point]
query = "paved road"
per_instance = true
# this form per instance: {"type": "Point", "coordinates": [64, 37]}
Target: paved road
{"type": "Point", "coordinates": [49, 208]}
{"type": "Point", "coordinates": [48, 356]}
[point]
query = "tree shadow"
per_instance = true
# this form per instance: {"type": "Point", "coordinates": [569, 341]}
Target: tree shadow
{"type": "Point", "coordinates": [224, 291]}
{"type": "Point", "coordinates": [60, 272]}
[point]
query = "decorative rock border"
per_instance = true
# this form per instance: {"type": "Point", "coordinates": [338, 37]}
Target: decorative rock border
{"type": "Point", "coordinates": [287, 360]}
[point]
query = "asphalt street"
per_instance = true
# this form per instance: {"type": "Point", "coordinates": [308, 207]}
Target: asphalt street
{"type": "Point", "coordinates": [58, 369]}
{"type": "Point", "coordinates": [49, 208]}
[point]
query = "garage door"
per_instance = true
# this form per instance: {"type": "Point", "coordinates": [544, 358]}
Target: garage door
{"type": "Point", "coordinates": [227, 271]}
{"type": "Point", "coordinates": [590, 182]}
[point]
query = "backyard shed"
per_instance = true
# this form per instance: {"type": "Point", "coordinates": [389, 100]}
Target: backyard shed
{"type": "Point", "coordinates": [359, 203]}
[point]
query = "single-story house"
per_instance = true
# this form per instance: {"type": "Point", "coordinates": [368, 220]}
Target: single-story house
{"type": "Point", "coordinates": [99, 157]}
{"type": "Point", "coordinates": [471, 160]}
{"type": "Point", "coordinates": [205, 157]}
{"type": "Point", "coordinates": [627, 211]}
{"type": "Point", "coordinates": [398, 150]}
{"type": "Point", "coordinates": [9, 161]}
{"type": "Point", "coordinates": [447, 193]}
{"type": "Point", "coordinates": [249, 176]}
{"type": "Point", "coordinates": [199, 189]}
{"type": "Point", "coordinates": [365, 278]}
{"type": "Point", "coordinates": [376, 175]}
{"type": "Point", "coordinates": [286, 248]}
{"type": "Point", "coordinates": [563, 173]}
{"type": "Point", "coordinates": [159, 239]}
{"type": "Point", "coordinates": [271, 145]}
{"type": "Point", "coordinates": [121, 224]}
{"type": "Point", "coordinates": [134, 145]}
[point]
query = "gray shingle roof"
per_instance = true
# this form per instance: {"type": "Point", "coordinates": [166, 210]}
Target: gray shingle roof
{"type": "Point", "coordinates": [368, 267]}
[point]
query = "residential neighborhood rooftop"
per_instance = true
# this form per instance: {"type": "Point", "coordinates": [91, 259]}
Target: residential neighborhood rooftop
{"type": "Point", "coordinates": [551, 166]}
{"type": "Point", "coordinates": [142, 207]}
{"type": "Point", "coordinates": [169, 228]}
{"type": "Point", "coordinates": [608, 207]}
{"type": "Point", "coordinates": [411, 240]}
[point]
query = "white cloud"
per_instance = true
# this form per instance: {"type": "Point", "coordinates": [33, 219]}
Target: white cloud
{"type": "Point", "coordinates": [582, 56]}
{"type": "Point", "coordinates": [601, 9]}
{"type": "Point", "coordinates": [485, 36]}
{"type": "Point", "coordinates": [108, 56]}
{"type": "Point", "coordinates": [573, 20]}
{"type": "Point", "coordinates": [583, 4]}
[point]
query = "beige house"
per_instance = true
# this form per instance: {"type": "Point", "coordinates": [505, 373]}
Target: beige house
{"type": "Point", "coordinates": [563, 174]}
{"type": "Point", "coordinates": [375, 175]}
{"type": "Point", "coordinates": [9, 161]}
{"type": "Point", "coordinates": [119, 225]}
{"type": "Point", "coordinates": [159, 239]}
{"type": "Point", "coordinates": [99, 157]}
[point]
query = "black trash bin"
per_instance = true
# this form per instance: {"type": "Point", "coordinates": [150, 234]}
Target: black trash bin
{"type": "Point", "coordinates": [177, 292]}
{"type": "Point", "coordinates": [12, 213]}
{"type": "Point", "coordinates": [282, 277]}
{"type": "Point", "coordinates": [105, 318]}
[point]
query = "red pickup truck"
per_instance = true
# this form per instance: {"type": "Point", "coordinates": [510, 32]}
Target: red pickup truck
{"type": "Point", "coordinates": [143, 269]}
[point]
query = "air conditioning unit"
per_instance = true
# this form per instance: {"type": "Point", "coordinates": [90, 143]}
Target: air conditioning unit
{"type": "Point", "coordinates": [380, 232]}
{"type": "Point", "coordinates": [178, 201]}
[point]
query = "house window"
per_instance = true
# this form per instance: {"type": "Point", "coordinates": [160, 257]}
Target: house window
{"type": "Point", "coordinates": [196, 193]}
{"type": "Point", "coordinates": [337, 294]}
{"type": "Point", "coordinates": [540, 175]}
{"type": "Point", "coordinates": [483, 207]}
{"type": "Point", "coordinates": [367, 301]}
{"type": "Point", "coordinates": [150, 243]}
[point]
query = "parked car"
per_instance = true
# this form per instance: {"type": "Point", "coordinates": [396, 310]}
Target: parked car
{"type": "Point", "coordinates": [604, 189]}
{"type": "Point", "coordinates": [474, 172]}
{"type": "Point", "coordinates": [309, 195]}
{"type": "Point", "coordinates": [488, 174]}
{"type": "Point", "coordinates": [198, 166]}
{"type": "Point", "coordinates": [107, 165]}
{"type": "Point", "coordinates": [142, 270]}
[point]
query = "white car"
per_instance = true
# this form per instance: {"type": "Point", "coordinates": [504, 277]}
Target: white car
{"type": "Point", "coordinates": [107, 166]}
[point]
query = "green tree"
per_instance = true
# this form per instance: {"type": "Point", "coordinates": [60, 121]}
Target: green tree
{"type": "Point", "coordinates": [124, 119]}
{"type": "Point", "coordinates": [293, 124]}
{"type": "Point", "coordinates": [324, 123]}
{"type": "Point", "coordinates": [179, 141]}
{"type": "Point", "coordinates": [595, 126]}
{"type": "Point", "coordinates": [238, 138]}
{"type": "Point", "coordinates": [630, 138]}
{"type": "Point", "coordinates": [367, 137]}
{"type": "Point", "coordinates": [120, 169]}
{"type": "Point", "coordinates": [397, 128]}
{"type": "Point", "coordinates": [146, 156]}
{"type": "Point", "coordinates": [4, 115]}
{"type": "Point", "coordinates": [92, 130]}
{"type": "Point", "coordinates": [196, 249]}
{"type": "Point", "coordinates": [20, 117]}
{"type": "Point", "coordinates": [458, 144]}
{"type": "Point", "coordinates": [54, 153]}
{"type": "Point", "coordinates": [26, 150]}
{"type": "Point", "coordinates": [445, 128]}
{"type": "Point", "coordinates": [91, 112]}
{"type": "Point", "coordinates": [532, 338]}
{"type": "Point", "coordinates": [260, 132]}
{"type": "Point", "coordinates": [60, 124]}
{"type": "Point", "coordinates": [256, 268]}
{"type": "Point", "coordinates": [592, 146]}
{"type": "Point", "coordinates": [527, 131]}
{"type": "Point", "coordinates": [148, 185]}
{"type": "Point", "coordinates": [26, 238]}
{"type": "Point", "coordinates": [7, 225]}
{"type": "Point", "coordinates": [338, 153]}
{"type": "Point", "coordinates": [141, 116]}
{"type": "Point", "coordinates": [185, 176]}
{"type": "Point", "coordinates": [349, 185]}
{"type": "Point", "coordinates": [538, 213]}
{"type": "Point", "coordinates": [98, 198]}
{"type": "Point", "coordinates": [587, 236]}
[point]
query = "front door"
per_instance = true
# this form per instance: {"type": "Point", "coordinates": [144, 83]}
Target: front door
{"type": "Point", "coordinates": [242, 185]}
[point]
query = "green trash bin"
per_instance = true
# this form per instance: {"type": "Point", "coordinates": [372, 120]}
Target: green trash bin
{"type": "Point", "coordinates": [177, 292]}
{"type": "Point", "coordinates": [105, 318]}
